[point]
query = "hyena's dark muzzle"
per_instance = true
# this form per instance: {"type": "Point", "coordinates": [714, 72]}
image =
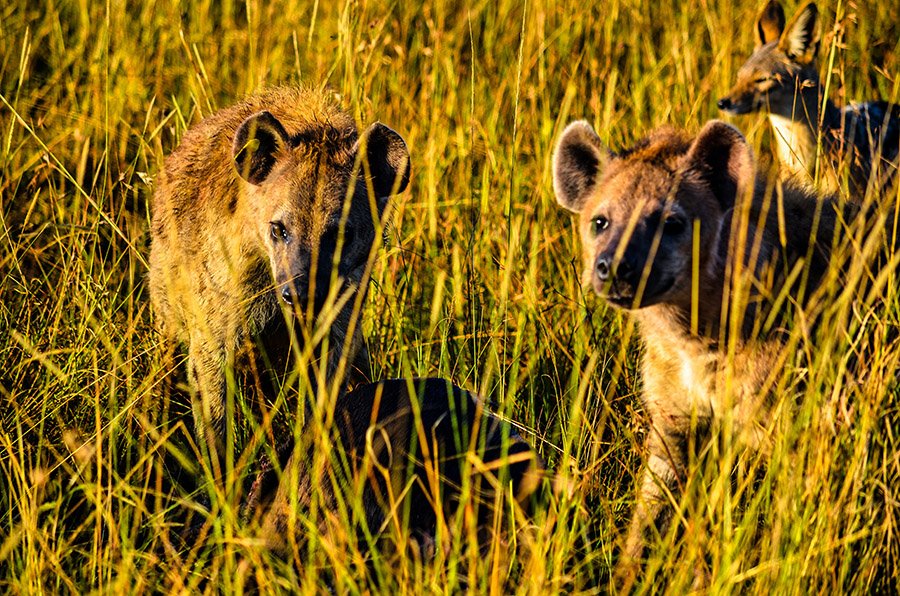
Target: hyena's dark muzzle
{"type": "Point", "coordinates": [302, 288]}
{"type": "Point", "coordinates": [304, 296]}
{"type": "Point", "coordinates": [634, 279]}
{"type": "Point", "coordinates": [618, 279]}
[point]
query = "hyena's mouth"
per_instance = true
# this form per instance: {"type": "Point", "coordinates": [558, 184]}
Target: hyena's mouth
{"type": "Point", "coordinates": [621, 300]}
{"type": "Point", "coordinates": [625, 297]}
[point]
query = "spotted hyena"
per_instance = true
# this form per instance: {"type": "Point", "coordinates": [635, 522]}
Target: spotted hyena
{"type": "Point", "coordinates": [403, 455]}
{"type": "Point", "coordinates": [702, 250]}
{"type": "Point", "coordinates": [264, 218]}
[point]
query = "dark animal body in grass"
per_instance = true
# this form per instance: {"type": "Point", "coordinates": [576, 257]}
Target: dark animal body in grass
{"type": "Point", "coordinates": [264, 218]}
{"type": "Point", "coordinates": [781, 79]}
{"type": "Point", "coordinates": [713, 260]}
{"type": "Point", "coordinates": [395, 456]}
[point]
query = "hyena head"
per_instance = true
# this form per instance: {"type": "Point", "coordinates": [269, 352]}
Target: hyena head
{"type": "Point", "coordinates": [316, 198]}
{"type": "Point", "coordinates": [782, 67]}
{"type": "Point", "coordinates": [646, 213]}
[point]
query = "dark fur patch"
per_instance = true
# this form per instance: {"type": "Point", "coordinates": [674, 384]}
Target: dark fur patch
{"type": "Point", "coordinates": [388, 160]}
{"type": "Point", "coordinates": [424, 426]}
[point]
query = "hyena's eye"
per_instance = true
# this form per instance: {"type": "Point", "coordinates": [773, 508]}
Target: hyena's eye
{"type": "Point", "coordinates": [598, 224]}
{"type": "Point", "coordinates": [278, 232]}
{"type": "Point", "coordinates": [673, 226]}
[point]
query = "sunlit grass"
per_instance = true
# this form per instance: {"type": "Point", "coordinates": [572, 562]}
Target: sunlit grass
{"type": "Point", "coordinates": [479, 282]}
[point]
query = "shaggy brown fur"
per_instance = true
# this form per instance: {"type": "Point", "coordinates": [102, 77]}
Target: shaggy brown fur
{"type": "Point", "coordinates": [263, 221]}
{"type": "Point", "coordinates": [698, 247]}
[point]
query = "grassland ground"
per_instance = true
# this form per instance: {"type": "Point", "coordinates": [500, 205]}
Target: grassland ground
{"type": "Point", "coordinates": [479, 282]}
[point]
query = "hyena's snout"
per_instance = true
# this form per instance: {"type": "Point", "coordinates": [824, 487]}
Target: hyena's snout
{"type": "Point", "coordinates": [298, 285]}
{"type": "Point", "coordinates": [607, 269]}
{"type": "Point", "coordinates": [302, 295]}
{"type": "Point", "coordinates": [639, 276]}
{"type": "Point", "coordinates": [617, 277]}
{"type": "Point", "coordinates": [294, 292]}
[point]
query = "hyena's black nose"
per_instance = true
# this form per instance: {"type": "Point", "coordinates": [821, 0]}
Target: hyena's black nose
{"type": "Point", "coordinates": [624, 270]}
{"type": "Point", "coordinates": [724, 103]}
{"type": "Point", "coordinates": [296, 294]}
{"type": "Point", "coordinates": [603, 268]}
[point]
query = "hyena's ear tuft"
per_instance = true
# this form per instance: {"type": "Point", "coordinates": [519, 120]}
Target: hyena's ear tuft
{"type": "Point", "coordinates": [577, 160]}
{"type": "Point", "coordinates": [257, 142]}
{"type": "Point", "coordinates": [800, 40]}
{"type": "Point", "coordinates": [721, 157]}
{"type": "Point", "coordinates": [388, 159]}
{"type": "Point", "coordinates": [770, 23]}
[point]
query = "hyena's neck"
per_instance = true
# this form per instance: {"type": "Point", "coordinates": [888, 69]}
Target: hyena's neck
{"type": "Point", "coordinates": [666, 324]}
{"type": "Point", "coordinates": [689, 381]}
{"type": "Point", "coordinates": [797, 126]}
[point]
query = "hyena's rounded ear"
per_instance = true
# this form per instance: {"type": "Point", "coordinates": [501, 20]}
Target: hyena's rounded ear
{"type": "Point", "coordinates": [388, 159]}
{"type": "Point", "coordinates": [257, 143]}
{"type": "Point", "coordinates": [800, 39]}
{"type": "Point", "coordinates": [577, 160]}
{"type": "Point", "coordinates": [721, 158]}
{"type": "Point", "coordinates": [770, 23]}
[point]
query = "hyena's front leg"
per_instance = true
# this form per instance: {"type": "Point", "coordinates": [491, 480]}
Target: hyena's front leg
{"type": "Point", "coordinates": [659, 483]}
{"type": "Point", "coordinates": [208, 400]}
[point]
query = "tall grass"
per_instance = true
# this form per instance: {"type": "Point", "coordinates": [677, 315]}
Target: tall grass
{"type": "Point", "coordinates": [478, 282]}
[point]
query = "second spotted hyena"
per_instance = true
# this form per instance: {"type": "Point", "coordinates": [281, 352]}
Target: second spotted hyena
{"type": "Point", "coordinates": [264, 218]}
{"type": "Point", "coordinates": [400, 454]}
{"type": "Point", "coordinates": [704, 253]}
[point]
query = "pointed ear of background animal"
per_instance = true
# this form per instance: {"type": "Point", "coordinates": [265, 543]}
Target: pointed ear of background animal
{"type": "Point", "coordinates": [257, 143]}
{"type": "Point", "coordinates": [800, 39]}
{"type": "Point", "coordinates": [388, 160]}
{"type": "Point", "coordinates": [577, 160]}
{"type": "Point", "coordinates": [770, 23]}
{"type": "Point", "coordinates": [721, 157]}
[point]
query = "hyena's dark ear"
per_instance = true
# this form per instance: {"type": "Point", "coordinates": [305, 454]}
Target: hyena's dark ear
{"type": "Point", "coordinates": [721, 157]}
{"type": "Point", "coordinates": [800, 39]}
{"type": "Point", "coordinates": [257, 142]}
{"type": "Point", "coordinates": [388, 159]}
{"type": "Point", "coordinates": [770, 23]}
{"type": "Point", "coordinates": [577, 160]}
